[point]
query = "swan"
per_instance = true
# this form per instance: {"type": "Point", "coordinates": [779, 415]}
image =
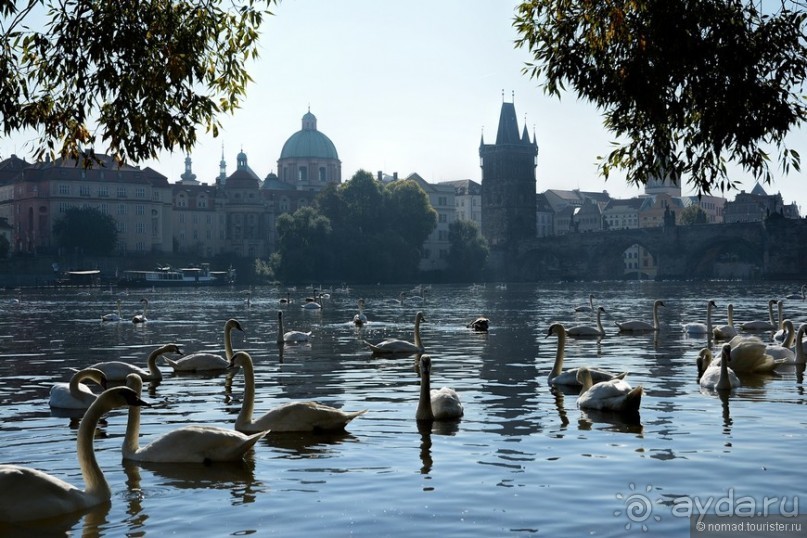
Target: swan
{"type": "Point", "coordinates": [289, 417]}
{"type": "Point", "coordinates": [113, 316]}
{"type": "Point", "coordinates": [312, 304]}
{"type": "Point", "coordinates": [748, 355]}
{"type": "Point", "coordinates": [75, 394]}
{"type": "Point", "coordinates": [612, 395]}
{"type": "Point", "coordinates": [586, 307]}
{"type": "Point", "coordinates": [569, 377]}
{"type": "Point", "coordinates": [716, 376]}
{"type": "Point", "coordinates": [434, 404]}
{"type": "Point", "coordinates": [360, 319]}
{"type": "Point", "coordinates": [779, 335]}
{"type": "Point", "coordinates": [758, 325]}
{"type": "Point", "coordinates": [727, 331]}
{"type": "Point", "coordinates": [187, 444]}
{"type": "Point", "coordinates": [642, 326]}
{"type": "Point", "coordinates": [289, 337]}
{"type": "Point", "coordinates": [287, 299]}
{"type": "Point", "coordinates": [118, 370]}
{"type": "Point", "coordinates": [480, 324]}
{"type": "Point", "coordinates": [141, 318]}
{"type": "Point", "coordinates": [783, 350]}
{"type": "Point", "coordinates": [695, 327]}
{"type": "Point", "coordinates": [203, 361]}
{"type": "Point", "coordinates": [802, 295]}
{"type": "Point", "coordinates": [28, 494]}
{"type": "Point", "coordinates": [588, 330]}
{"type": "Point", "coordinates": [395, 346]}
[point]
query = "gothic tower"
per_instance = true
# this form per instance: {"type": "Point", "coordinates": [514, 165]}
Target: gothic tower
{"type": "Point", "coordinates": [508, 183]}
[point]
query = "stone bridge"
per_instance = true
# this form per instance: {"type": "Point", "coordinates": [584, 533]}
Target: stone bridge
{"type": "Point", "coordinates": [774, 249]}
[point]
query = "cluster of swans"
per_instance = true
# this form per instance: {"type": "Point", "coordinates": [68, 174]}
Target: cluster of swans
{"type": "Point", "coordinates": [29, 494]}
{"type": "Point", "coordinates": [118, 316]}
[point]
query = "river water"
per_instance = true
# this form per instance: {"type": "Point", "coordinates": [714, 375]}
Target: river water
{"type": "Point", "coordinates": [524, 460]}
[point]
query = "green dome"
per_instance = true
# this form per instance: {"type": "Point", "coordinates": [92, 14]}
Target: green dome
{"type": "Point", "coordinates": [309, 143]}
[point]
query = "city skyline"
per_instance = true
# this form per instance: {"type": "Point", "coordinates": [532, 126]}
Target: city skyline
{"type": "Point", "coordinates": [409, 88]}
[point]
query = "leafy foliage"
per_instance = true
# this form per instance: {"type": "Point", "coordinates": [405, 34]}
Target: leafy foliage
{"type": "Point", "coordinates": [374, 233]}
{"type": "Point", "coordinates": [87, 230]}
{"type": "Point", "coordinates": [469, 251]}
{"type": "Point", "coordinates": [689, 85]}
{"type": "Point", "coordinates": [137, 75]}
{"type": "Point", "coordinates": [693, 214]}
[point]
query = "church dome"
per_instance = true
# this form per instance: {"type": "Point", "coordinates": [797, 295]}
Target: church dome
{"type": "Point", "coordinates": [308, 143]}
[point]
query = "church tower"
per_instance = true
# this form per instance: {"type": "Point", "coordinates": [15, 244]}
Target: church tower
{"type": "Point", "coordinates": [508, 182]}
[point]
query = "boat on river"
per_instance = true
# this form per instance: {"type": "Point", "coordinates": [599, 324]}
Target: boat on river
{"type": "Point", "coordinates": [186, 276]}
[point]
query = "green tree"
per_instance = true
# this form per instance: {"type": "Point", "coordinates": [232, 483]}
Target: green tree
{"type": "Point", "coordinates": [686, 85]}
{"type": "Point", "coordinates": [693, 214]}
{"type": "Point", "coordinates": [139, 76]}
{"type": "Point", "coordinates": [408, 210]}
{"type": "Point", "coordinates": [87, 230]}
{"type": "Point", "coordinates": [303, 246]}
{"type": "Point", "coordinates": [468, 252]}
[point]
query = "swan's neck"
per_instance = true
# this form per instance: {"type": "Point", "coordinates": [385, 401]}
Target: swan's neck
{"type": "Point", "coordinates": [248, 405]}
{"type": "Point", "coordinates": [731, 315]}
{"type": "Point", "coordinates": [74, 387]}
{"type": "Point", "coordinates": [94, 482]}
{"type": "Point", "coordinates": [559, 355]}
{"type": "Point", "coordinates": [586, 382]}
{"type": "Point", "coordinates": [709, 319]}
{"type": "Point", "coordinates": [770, 313]}
{"type": "Point", "coordinates": [130, 441]}
{"type": "Point", "coordinates": [152, 363]}
{"type": "Point", "coordinates": [228, 342]}
{"type": "Point", "coordinates": [800, 358]}
{"type": "Point", "coordinates": [723, 382]}
{"type": "Point", "coordinates": [599, 321]}
{"type": "Point", "coordinates": [417, 334]}
{"type": "Point", "coordinates": [424, 410]}
{"type": "Point", "coordinates": [781, 315]}
{"type": "Point", "coordinates": [280, 330]}
{"type": "Point", "coordinates": [655, 315]}
{"type": "Point", "coordinates": [790, 335]}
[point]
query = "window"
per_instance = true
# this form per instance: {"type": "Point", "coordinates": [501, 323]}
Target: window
{"type": "Point", "coordinates": [140, 210]}
{"type": "Point", "coordinates": [64, 190]}
{"type": "Point", "coordinates": [322, 173]}
{"type": "Point", "coordinates": [140, 228]}
{"type": "Point", "coordinates": [84, 190]}
{"type": "Point", "coordinates": [140, 192]}
{"type": "Point", "coordinates": [302, 173]}
{"type": "Point", "coordinates": [121, 192]}
{"type": "Point", "coordinates": [103, 190]}
{"type": "Point", "coordinates": [121, 209]}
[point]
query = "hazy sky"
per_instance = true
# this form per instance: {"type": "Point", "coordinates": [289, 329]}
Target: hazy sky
{"type": "Point", "coordinates": [410, 87]}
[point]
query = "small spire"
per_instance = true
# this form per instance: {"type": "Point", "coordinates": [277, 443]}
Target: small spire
{"type": "Point", "coordinates": [502, 95]}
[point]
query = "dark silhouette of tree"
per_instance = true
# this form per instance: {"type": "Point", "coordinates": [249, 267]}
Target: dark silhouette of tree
{"type": "Point", "coordinates": [468, 252]}
{"type": "Point", "coordinates": [693, 215]}
{"type": "Point", "coordinates": [86, 230]}
{"type": "Point", "coordinates": [137, 76]}
{"type": "Point", "coordinates": [684, 86]}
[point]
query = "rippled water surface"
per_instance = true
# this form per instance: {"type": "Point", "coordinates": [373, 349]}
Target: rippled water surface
{"type": "Point", "coordinates": [523, 460]}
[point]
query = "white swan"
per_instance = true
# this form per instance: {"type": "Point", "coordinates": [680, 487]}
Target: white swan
{"type": "Point", "coordinates": [205, 362]}
{"type": "Point", "coordinates": [759, 325]}
{"type": "Point", "coordinates": [359, 318]}
{"type": "Point", "coordinates": [75, 394]}
{"type": "Point", "coordinates": [187, 444]}
{"type": "Point", "coordinates": [569, 377]}
{"type": "Point", "coordinates": [779, 335]}
{"type": "Point", "coordinates": [588, 330]}
{"type": "Point", "coordinates": [612, 395]}
{"type": "Point", "coordinates": [392, 346]}
{"type": "Point", "coordinates": [727, 331]}
{"type": "Point", "coordinates": [480, 324]}
{"type": "Point", "coordinates": [141, 318]}
{"type": "Point", "coordinates": [586, 307]}
{"type": "Point", "coordinates": [289, 337]}
{"type": "Point", "coordinates": [113, 316]}
{"type": "Point", "coordinates": [312, 304]}
{"type": "Point", "coordinates": [436, 404]}
{"type": "Point", "coordinates": [716, 376]}
{"type": "Point", "coordinates": [696, 327]}
{"type": "Point", "coordinates": [289, 417]}
{"type": "Point", "coordinates": [642, 326]}
{"type": "Point", "coordinates": [28, 494]}
{"type": "Point", "coordinates": [802, 295]}
{"type": "Point", "coordinates": [783, 350]}
{"type": "Point", "coordinates": [118, 370]}
{"type": "Point", "coordinates": [748, 355]}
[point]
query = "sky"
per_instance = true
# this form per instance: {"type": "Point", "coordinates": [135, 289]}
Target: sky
{"type": "Point", "coordinates": [411, 87]}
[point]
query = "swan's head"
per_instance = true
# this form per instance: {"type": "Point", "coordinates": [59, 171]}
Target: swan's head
{"type": "Point", "coordinates": [134, 382]}
{"type": "Point", "coordinates": [420, 317]}
{"type": "Point", "coordinates": [239, 359]}
{"type": "Point", "coordinates": [144, 300]}
{"type": "Point", "coordinates": [659, 302]}
{"type": "Point", "coordinates": [557, 329]}
{"type": "Point", "coordinates": [704, 360]}
{"type": "Point", "coordinates": [425, 363]}
{"type": "Point", "coordinates": [171, 348]}
{"type": "Point", "coordinates": [788, 324]}
{"type": "Point", "coordinates": [92, 374]}
{"type": "Point", "coordinates": [712, 304]}
{"type": "Point", "coordinates": [800, 334]}
{"type": "Point", "coordinates": [124, 396]}
{"type": "Point", "coordinates": [279, 314]}
{"type": "Point", "coordinates": [233, 324]}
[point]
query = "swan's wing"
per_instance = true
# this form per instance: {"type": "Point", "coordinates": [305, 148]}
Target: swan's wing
{"type": "Point", "coordinates": [305, 417]}
{"type": "Point", "coordinates": [446, 404]}
{"type": "Point", "coordinates": [199, 361]}
{"type": "Point", "coordinates": [27, 494]}
{"type": "Point", "coordinates": [198, 444]}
